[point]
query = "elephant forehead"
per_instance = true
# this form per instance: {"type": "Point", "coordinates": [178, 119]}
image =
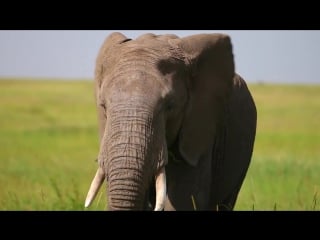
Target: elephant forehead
{"type": "Point", "coordinates": [144, 62]}
{"type": "Point", "coordinates": [157, 61]}
{"type": "Point", "coordinates": [134, 82]}
{"type": "Point", "coordinates": [154, 47]}
{"type": "Point", "coordinates": [144, 67]}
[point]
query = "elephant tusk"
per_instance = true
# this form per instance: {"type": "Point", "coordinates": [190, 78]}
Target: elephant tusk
{"type": "Point", "coordinates": [95, 186]}
{"type": "Point", "coordinates": [161, 190]}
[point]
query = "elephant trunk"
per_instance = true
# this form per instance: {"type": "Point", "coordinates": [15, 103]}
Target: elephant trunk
{"type": "Point", "coordinates": [132, 153]}
{"type": "Point", "coordinates": [125, 189]}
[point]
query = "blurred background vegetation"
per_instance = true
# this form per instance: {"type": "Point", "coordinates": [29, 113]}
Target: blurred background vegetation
{"type": "Point", "coordinates": [49, 143]}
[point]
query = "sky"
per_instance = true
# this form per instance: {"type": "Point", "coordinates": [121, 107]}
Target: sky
{"type": "Point", "coordinates": [260, 55]}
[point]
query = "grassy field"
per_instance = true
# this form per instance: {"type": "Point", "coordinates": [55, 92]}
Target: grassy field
{"type": "Point", "coordinates": [49, 141]}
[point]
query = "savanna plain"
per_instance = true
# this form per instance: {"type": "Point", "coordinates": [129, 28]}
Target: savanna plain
{"type": "Point", "coordinates": [49, 144]}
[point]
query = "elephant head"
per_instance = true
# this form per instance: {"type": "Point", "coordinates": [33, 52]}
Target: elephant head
{"type": "Point", "coordinates": [157, 95]}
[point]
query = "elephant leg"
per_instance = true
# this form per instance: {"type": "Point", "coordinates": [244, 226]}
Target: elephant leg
{"type": "Point", "coordinates": [188, 187]}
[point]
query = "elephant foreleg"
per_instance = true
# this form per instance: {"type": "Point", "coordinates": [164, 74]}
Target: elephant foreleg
{"type": "Point", "coordinates": [188, 186]}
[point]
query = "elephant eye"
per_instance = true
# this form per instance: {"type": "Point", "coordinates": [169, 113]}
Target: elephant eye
{"type": "Point", "coordinates": [104, 109]}
{"type": "Point", "coordinates": [103, 106]}
{"type": "Point", "coordinates": [170, 105]}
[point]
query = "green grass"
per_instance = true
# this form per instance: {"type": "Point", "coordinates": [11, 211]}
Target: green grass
{"type": "Point", "coordinates": [49, 141]}
{"type": "Point", "coordinates": [284, 172]}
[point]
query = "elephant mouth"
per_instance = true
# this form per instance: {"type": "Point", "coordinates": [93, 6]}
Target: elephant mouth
{"type": "Point", "coordinates": [159, 189]}
{"type": "Point", "coordinates": [150, 200]}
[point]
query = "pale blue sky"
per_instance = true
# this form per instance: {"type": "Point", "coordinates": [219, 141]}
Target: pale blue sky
{"type": "Point", "coordinates": [268, 56]}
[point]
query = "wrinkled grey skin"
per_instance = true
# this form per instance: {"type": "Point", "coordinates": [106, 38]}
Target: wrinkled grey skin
{"type": "Point", "coordinates": [177, 103]}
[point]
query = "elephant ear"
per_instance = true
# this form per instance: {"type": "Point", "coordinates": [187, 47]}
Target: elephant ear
{"type": "Point", "coordinates": [212, 70]}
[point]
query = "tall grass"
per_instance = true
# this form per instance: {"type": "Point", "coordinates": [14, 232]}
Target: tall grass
{"type": "Point", "coordinates": [49, 141]}
{"type": "Point", "coordinates": [284, 172]}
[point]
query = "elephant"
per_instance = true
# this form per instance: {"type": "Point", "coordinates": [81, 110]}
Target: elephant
{"type": "Point", "coordinates": [177, 124]}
